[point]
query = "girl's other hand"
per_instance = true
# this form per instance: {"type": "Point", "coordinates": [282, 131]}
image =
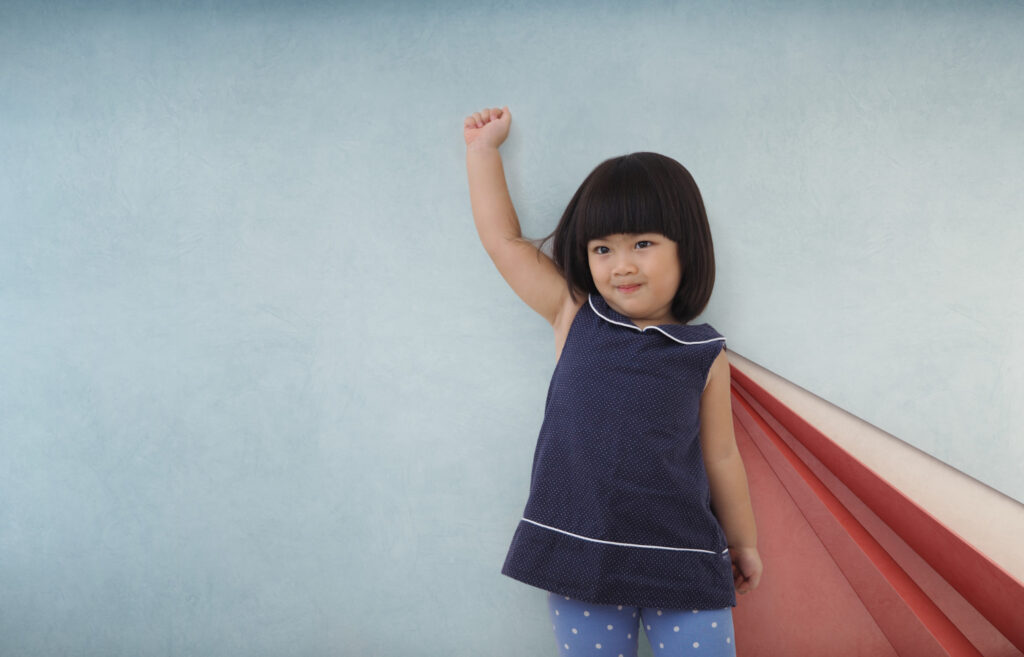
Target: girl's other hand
{"type": "Point", "coordinates": [746, 568]}
{"type": "Point", "coordinates": [488, 127]}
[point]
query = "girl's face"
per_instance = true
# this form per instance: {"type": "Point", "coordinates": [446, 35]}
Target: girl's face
{"type": "Point", "coordinates": [638, 275]}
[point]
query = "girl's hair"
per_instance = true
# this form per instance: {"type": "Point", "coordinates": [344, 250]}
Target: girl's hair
{"type": "Point", "coordinates": [639, 193]}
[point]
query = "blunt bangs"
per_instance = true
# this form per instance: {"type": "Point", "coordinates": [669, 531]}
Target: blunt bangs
{"type": "Point", "coordinates": [625, 196]}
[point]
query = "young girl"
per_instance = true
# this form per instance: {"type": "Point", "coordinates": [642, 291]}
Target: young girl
{"type": "Point", "coordinates": [638, 509]}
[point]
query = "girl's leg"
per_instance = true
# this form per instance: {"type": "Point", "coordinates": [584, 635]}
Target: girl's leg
{"type": "Point", "coordinates": [585, 629]}
{"type": "Point", "coordinates": [704, 632]}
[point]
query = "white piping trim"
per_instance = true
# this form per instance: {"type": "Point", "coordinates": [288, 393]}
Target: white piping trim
{"type": "Point", "coordinates": [595, 540]}
{"type": "Point", "coordinates": [590, 299]}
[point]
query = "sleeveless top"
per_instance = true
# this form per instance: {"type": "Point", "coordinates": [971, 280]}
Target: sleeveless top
{"type": "Point", "coordinates": [619, 507]}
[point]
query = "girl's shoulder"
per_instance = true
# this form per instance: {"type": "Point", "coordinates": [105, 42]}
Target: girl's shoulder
{"type": "Point", "coordinates": [704, 335]}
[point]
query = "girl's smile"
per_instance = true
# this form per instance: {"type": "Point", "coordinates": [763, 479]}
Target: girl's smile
{"type": "Point", "coordinates": [638, 275]}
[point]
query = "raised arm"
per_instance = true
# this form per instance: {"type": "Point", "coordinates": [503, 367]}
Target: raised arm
{"type": "Point", "coordinates": [528, 270]}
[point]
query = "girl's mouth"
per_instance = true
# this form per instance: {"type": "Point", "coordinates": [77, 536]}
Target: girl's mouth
{"type": "Point", "coordinates": [628, 288]}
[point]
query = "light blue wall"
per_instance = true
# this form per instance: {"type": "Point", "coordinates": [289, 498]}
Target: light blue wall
{"type": "Point", "coordinates": [263, 393]}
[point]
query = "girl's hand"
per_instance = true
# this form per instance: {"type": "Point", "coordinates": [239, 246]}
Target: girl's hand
{"type": "Point", "coordinates": [746, 568]}
{"type": "Point", "coordinates": [488, 127]}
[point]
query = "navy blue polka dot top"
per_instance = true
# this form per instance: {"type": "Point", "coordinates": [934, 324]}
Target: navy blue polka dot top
{"type": "Point", "coordinates": [619, 508]}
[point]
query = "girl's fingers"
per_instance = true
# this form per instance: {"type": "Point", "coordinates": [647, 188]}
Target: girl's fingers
{"type": "Point", "coordinates": [484, 116]}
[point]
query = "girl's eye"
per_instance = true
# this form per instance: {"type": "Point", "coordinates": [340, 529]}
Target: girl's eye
{"type": "Point", "coordinates": [597, 249]}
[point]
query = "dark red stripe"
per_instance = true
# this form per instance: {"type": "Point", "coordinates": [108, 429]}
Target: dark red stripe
{"type": "Point", "coordinates": [991, 590]}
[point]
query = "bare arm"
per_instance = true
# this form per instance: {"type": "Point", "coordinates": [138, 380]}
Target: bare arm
{"type": "Point", "coordinates": [495, 217]}
{"type": "Point", "coordinates": [530, 273]}
{"type": "Point", "coordinates": [730, 494]}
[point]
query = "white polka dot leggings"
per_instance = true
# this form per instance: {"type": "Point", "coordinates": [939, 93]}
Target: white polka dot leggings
{"type": "Point", "coordinates": [592, 630]}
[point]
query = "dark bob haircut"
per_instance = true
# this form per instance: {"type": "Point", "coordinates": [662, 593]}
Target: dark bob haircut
{"type": "Point", "coordinates": [639, 193]}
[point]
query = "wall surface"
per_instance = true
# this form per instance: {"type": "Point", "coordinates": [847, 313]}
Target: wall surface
{"type": "Point", "coordinates": [262, 392]}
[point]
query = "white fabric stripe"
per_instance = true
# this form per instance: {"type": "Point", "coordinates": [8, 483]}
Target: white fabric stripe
{"type": "Point", "coordinates": [596, 540]}
{"type": "Point", "coordinates": [590, 300]}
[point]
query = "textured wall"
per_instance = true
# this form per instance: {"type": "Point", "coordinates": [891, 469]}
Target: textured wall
{"type": "Point", "coordinates": [263, 393]}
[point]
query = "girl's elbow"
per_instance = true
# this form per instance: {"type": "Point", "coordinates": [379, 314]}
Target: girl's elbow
{"type": "Point", "coordinates": [726, 456]}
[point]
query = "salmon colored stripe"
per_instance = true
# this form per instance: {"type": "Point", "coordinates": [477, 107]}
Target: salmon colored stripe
{"type": "Point", "coordinates": [997, 595]}
{"type": "Point", "coordinates": [937, 623]}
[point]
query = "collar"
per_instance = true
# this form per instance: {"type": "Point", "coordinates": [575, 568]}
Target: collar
{"type": "Point", "coordinates": [682, 333]}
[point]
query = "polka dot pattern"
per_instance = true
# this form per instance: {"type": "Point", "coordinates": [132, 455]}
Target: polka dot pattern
{"type": "Point", "coordinates": [613, 629]}
{"type": "Point", "coordinates": [619, 505]}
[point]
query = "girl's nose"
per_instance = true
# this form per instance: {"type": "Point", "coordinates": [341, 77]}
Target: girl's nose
{"type": "Point", "coordinates": [624, 266]}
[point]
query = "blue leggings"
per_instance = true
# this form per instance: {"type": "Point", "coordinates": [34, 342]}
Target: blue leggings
{"type": "Point", "coordinates": [592, 630]}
